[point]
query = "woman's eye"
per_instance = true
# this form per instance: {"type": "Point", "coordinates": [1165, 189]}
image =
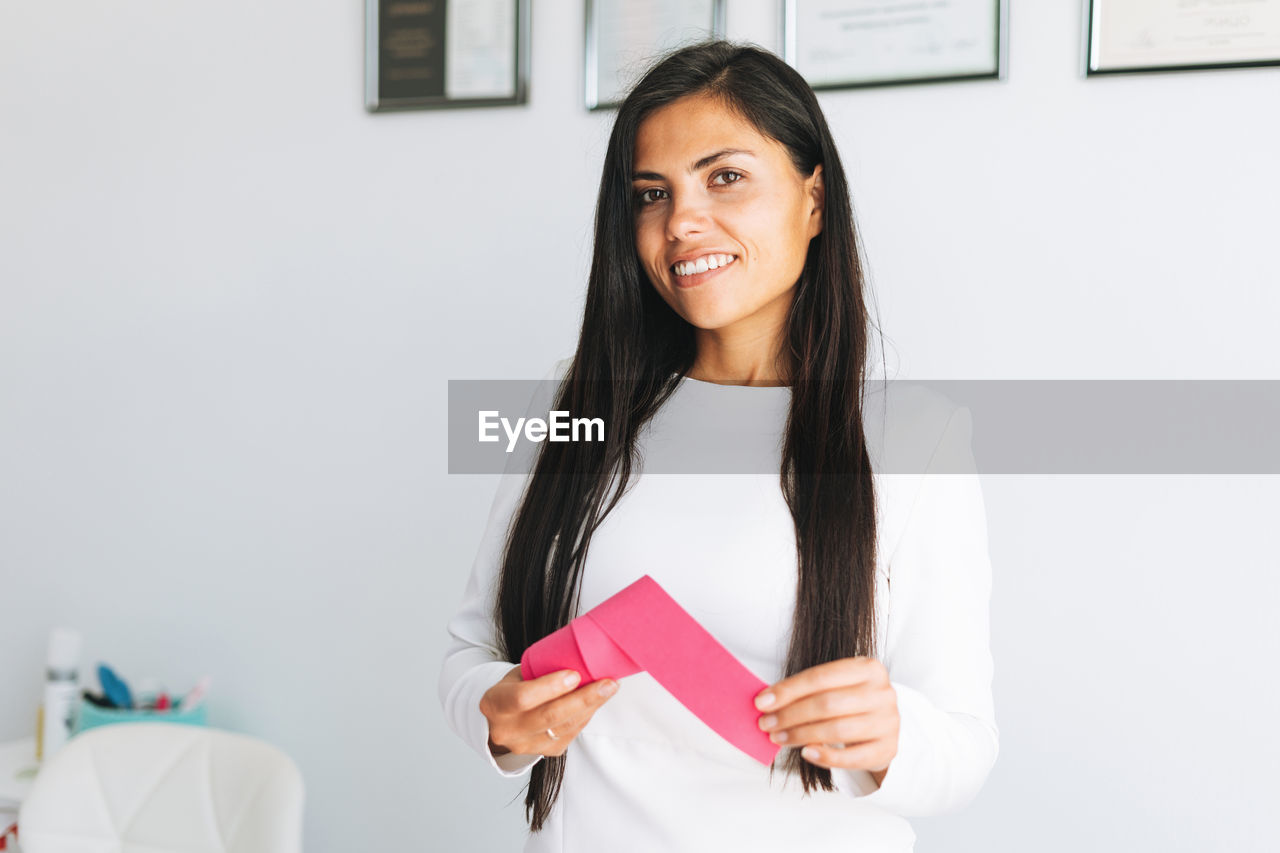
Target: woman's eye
{"type": "Point", "coordinates": [643, 196]}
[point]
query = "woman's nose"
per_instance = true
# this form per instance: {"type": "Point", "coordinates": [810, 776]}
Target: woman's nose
{"type": "Point", "coordinates": [688, 215]}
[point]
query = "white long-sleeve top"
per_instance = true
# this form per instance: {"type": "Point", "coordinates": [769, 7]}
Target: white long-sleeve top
{"type": "Point", "coordinates": [645, 774]}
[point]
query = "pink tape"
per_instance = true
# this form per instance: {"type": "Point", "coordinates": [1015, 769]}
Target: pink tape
{"type": "Point", "coordinates": [642, 628]}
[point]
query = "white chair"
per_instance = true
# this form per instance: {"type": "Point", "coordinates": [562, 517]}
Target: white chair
{"type": "Point", "coordinates": [157, 787]}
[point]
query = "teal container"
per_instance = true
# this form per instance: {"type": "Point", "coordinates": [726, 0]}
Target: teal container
{"type": "Point", "coordinates": [91, 716]}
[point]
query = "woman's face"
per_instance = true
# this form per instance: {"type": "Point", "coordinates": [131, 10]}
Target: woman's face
{"type": "Point", "coordinates": [709, 188]}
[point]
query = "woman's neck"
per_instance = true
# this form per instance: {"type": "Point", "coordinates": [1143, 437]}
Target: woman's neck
{"type": "Point", "coordinates": [740, 368]}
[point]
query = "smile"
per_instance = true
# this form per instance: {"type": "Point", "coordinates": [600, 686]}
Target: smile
{"type": "Point", "coordinates": [692, 273]}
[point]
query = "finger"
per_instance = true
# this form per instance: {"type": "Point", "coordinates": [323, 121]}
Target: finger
{"type": "Point", "coordinates": [564, 731]}
{"type": "Point", "coordinates": [568, 729]}
{"type": "Point", "coordinates": [584, 700]}
{"type": "Point", "coordinates": [857, 756]}
{"type": "Point", "coordinates": [827, 705]}
{"type": "Point", "coordinates": [844, 672]}
{"type": "Point", "coordinates": [855, 729]}
{"type": "Point", "coordinates": [539, 691]}
{"type": "Point", "coordinates": [567, 726]}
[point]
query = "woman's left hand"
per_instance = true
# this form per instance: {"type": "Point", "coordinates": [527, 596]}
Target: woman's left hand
{"type": "Point", "coordinates": [844, 713]}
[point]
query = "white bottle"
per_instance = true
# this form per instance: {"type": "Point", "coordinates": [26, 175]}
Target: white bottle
{"type": "Point", "coordinates": [61, 690]}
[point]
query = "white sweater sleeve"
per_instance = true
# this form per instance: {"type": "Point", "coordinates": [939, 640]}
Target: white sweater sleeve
{"type": "Point", "coordinates": [472, 662]}
{"type": "Point", "coordinates": [937, 648]}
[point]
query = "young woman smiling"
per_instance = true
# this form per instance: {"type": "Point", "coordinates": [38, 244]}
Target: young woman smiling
{"type": "Point", "coordinates": [726, 273]}
{"type": "Point", "coordinates": [723, 236]}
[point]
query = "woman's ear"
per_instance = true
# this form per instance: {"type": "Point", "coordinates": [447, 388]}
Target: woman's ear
{"type": "Point", "coordinates": [817, 191]}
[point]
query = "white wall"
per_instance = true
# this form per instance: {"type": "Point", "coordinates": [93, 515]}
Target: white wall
{"type": "Point", "coordinates": [230, 300]}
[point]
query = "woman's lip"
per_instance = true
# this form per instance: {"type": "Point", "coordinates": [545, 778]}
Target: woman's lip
{"type": "Point", "coordinates": [687, 281]}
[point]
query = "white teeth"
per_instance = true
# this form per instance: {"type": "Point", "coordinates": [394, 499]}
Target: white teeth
{"type": "Point", "coordinates": [706, 262]}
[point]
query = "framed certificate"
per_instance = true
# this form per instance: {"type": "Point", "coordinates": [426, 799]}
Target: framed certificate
{"type": "Point", "coordinates": [424, 54]}
{"type": "Point", "coordinates": [844, 44]}
{"type": "Point", "coordinates": [623, 36]}
{"type": "Point", "coordinates": [1124, 36]}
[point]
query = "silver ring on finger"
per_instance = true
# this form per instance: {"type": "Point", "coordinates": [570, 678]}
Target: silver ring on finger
{"type": "Point", "coordinates": [552, 735]}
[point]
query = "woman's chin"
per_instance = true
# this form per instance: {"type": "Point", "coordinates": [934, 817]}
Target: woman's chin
{"type": "Point", "coordinates": [710, 321]}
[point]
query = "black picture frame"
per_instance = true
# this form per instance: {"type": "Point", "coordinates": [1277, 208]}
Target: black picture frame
{"type": "Point", "coordinates": [406, 57]}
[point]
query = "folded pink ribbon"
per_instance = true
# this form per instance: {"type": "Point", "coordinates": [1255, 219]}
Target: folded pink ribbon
{"type": "Point", "coordinates": [642, 628]}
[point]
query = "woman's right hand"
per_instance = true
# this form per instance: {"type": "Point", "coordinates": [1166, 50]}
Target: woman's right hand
{"type": "Point", "coordinates": [520, 712]}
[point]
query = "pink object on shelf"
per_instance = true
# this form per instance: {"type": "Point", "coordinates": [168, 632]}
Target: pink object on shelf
{"type": "Point", "coordinates": [642, 628]}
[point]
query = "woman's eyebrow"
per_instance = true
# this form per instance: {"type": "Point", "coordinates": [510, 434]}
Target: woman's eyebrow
{"type": "Point", "coordinates": [700, 164]}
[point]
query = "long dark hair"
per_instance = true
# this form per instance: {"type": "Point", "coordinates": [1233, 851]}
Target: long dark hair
{"type": "Point", "coordinates": [633, 350]}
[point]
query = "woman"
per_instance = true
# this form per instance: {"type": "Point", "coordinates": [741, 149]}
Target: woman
{"type": "Point", "coordinates": [725, 273]}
